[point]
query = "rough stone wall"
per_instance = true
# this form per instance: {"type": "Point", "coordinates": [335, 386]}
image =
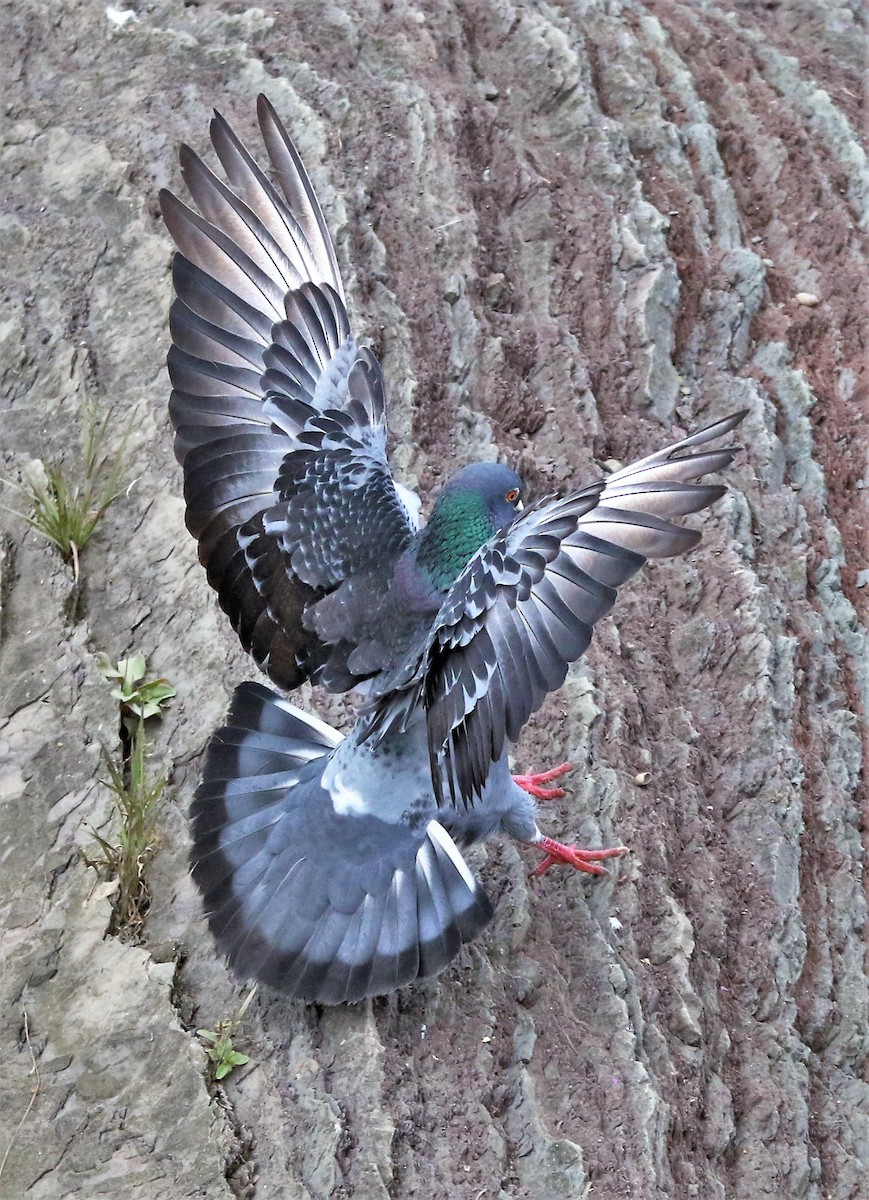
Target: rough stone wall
{"type": "Point", "coordinates": [568, 229]}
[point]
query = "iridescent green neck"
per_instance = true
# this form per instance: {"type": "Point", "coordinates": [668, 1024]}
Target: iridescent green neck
{"type": "Point", "coordinates": [458, 527]}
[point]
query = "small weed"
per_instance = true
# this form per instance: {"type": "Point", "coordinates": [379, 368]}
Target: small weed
{"type": "Point", "coordinates": [224, 1059]}
{"type": "Point", "coordinates": [219, 1048]}
{"type": "Point", "coordinates": [135, 795]}
{"type": "Point", "coordinates": [136, 798]}
{"type": "Point", "coordinates": [137, 699]}
{"type": "Point", "coordinates": [66, 505]}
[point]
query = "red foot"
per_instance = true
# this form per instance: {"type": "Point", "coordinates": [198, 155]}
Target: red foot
{"type": "Point", "coordinates": [531, 783]}
{"type": "Point", "coordinates": [575, 856]}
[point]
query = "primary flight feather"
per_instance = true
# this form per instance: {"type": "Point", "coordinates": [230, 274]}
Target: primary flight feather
{"type": "Point", "coordinates": [330, 866]}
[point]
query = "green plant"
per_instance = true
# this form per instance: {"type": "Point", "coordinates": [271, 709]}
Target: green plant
{"type": "Point", "coordinates": [67, 505]}
{"type": "Point", "coordinates": [219, 1048]}
{"type": "Point", "coordinates": [136, 798]}
{"type": "Point", "coordinates": [137, 699]}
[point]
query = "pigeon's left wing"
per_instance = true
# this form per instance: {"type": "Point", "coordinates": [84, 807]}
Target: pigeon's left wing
{"type": "Point", "coordinates": [279, 415]}
{"type": "Point", "coordinates": [526, 604]}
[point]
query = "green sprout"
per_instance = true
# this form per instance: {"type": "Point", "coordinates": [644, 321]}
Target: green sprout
{"type": "Point", "coordinates": [138, 699]}
{"type": "Point", "coordinates": [219, 1048]}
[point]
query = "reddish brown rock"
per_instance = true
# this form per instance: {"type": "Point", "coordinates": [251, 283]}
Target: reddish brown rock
{"type": "Point", "coordinates": [569, 230]}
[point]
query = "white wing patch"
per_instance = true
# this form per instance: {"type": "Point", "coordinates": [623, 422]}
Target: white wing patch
{"type": "Point", "coordinates": [412, 504]}
{"type": "Point", "coordinates": [347, 798]}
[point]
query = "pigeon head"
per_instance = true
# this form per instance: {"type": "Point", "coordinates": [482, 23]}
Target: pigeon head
{"type": "Point", "coordinates": [477, 502]}
{"type": "Point", "coordinates": [498, 488]}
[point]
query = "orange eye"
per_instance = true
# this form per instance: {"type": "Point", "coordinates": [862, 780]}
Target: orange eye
{"type": "Point", "coordinates": [512, 496]}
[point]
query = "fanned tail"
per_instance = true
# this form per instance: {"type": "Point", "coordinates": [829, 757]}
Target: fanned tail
{"type": "Point", "coordinates": [323, 906]}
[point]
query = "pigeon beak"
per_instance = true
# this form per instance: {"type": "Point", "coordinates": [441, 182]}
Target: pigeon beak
{"type": "Point", "coordinates": [519, 505]}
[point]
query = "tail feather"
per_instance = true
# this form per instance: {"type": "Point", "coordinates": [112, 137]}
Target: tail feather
{"type": "Point", "coordinates": [439, 938]}
{"type": "Point", "coordinates": [363, 944]}
{"type": "Point", "coordinates": [323, 906]}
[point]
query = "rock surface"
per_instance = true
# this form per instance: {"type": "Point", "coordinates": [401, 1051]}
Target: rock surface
{"type": "Point", "coordinates": [568, 229]}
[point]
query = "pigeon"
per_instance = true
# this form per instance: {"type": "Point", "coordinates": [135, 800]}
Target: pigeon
{"type": "Point", "coordinates": [331, 866]}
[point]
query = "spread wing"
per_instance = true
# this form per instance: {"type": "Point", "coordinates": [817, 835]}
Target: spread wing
{"type": "Point", "coordinates": [526, 605]}
{"type": "Point", "coordinates": [279, 415]}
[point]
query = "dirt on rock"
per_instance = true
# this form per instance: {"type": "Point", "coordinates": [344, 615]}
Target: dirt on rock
{"type": "Point", "coordinates": [571, 230]}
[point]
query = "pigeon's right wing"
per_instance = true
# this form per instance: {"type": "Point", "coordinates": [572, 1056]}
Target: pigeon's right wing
{"type": "Point", "coordinates": [525, 606]}
{"type": "Point", "coordinates": [279, 415]}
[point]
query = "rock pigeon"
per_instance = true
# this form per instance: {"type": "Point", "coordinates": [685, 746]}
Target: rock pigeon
{"type": "Point", "coordinates": [330, 866]}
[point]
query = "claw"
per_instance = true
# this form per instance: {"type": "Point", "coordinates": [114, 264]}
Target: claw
{"type": "Point", "coordinates": [531, 783]}
{"type": "Point", "coordinates": [575, 856]}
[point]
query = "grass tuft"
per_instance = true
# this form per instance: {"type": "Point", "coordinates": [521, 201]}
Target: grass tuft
{"type": "Point", "coordinates": [135, 795]}
{"type": "Point", "coordinates": [136, 798]}
{"type": "Point", "coordinates": [65, 506]}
